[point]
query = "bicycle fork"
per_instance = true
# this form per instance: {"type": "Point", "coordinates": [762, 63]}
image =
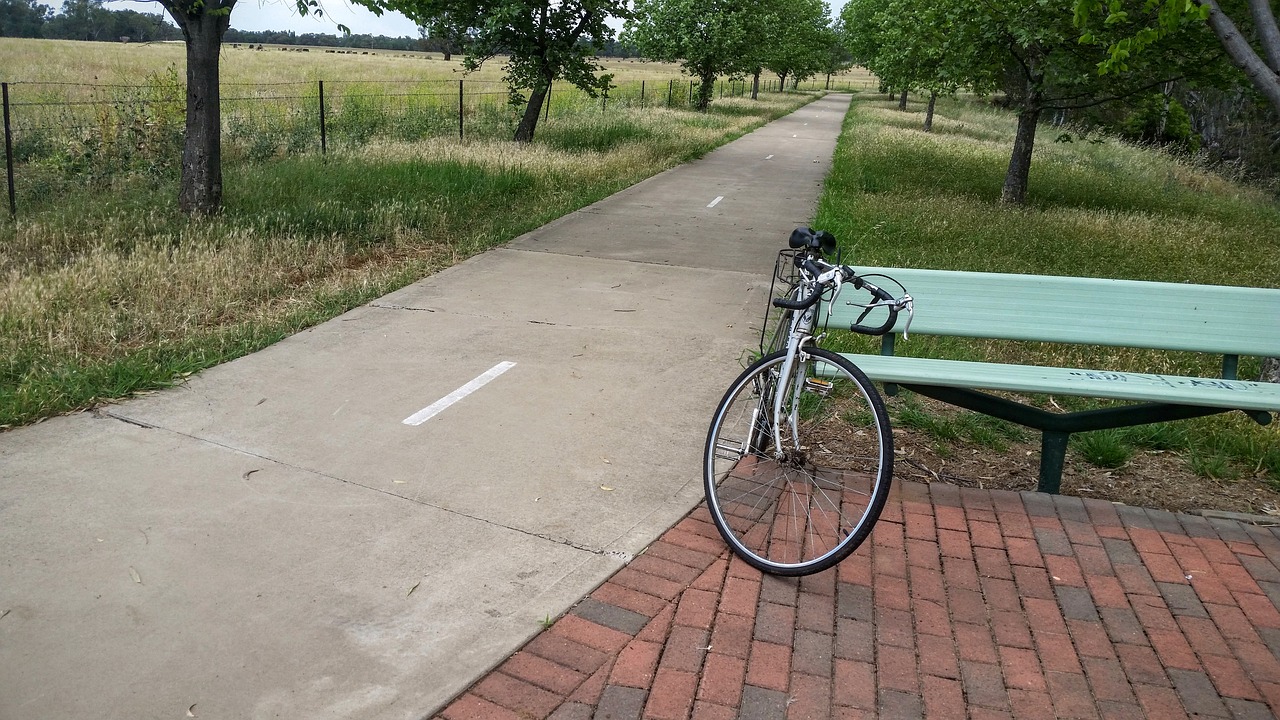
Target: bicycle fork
{"type": "Point", "coordinates": [791, 383]}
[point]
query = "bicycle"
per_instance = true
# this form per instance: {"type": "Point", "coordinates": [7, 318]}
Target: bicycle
{"type": "Point", "coordinates": [799, 457]}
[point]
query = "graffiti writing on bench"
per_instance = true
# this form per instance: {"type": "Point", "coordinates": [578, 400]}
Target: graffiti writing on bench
{"type": "Point", "coordinates": [1172, 382]}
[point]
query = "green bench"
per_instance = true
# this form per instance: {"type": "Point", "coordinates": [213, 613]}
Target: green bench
{"type": "Point", "coordinates": [1227, 321]}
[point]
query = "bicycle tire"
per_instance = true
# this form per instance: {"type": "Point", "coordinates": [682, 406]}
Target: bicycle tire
{"type": "Point", "coordinates": [779, 511]}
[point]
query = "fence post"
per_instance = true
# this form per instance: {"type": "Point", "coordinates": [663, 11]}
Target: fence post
{"type": "Point", "coordinates": [459, 111]}
{"type": "Point", "coordinates": [690, 93]}
{"type": "Point", "coordinates": [670, 85]}
{"type": "Point", "coordinates": [324, 138]}
{"type": "Point", "coordinates": [8, 152]}
{"type": "Point", "coordinates": [546, 103]}
{"type": "Point", "coordinates": [641, 93]}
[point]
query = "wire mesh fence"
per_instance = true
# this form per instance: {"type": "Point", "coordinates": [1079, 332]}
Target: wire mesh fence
{"type": "Point", "coordinates": [62, 136]}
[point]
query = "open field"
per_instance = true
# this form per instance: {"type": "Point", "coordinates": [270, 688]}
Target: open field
{"type": "Point", "coordinates": [899, 197]}
{"type": "Point", "coordinates": [61, 61]}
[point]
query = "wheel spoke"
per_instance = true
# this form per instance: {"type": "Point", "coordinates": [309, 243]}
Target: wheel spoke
{"type": "Point", "coordinates": [810, 505]}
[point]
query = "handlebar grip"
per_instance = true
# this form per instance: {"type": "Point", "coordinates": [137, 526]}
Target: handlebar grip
{"type": "Point", "coordinates": [798, 304]}
{"type": "Point", "coordinates": [882, 295]}
{"type": "Point", "coordinates": [881, 330]}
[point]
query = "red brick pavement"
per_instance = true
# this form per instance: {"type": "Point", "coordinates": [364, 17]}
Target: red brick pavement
{"type": "Point", "coordinates": [965, 604]}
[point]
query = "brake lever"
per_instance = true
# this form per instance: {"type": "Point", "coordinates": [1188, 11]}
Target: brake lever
{"type": "Point", "coordinates": [908, 304]}
{"type": "Point", "coordinates": [838, 283]}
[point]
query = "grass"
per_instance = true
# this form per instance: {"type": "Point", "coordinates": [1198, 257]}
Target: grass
{"type": "Point", "coordinates": [897, 196]}
{"type": "Point", "coordinates": [111, 293]}
{"type": "Point", "coordinates": [972, 428]}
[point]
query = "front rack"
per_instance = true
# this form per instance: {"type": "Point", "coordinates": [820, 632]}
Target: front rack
{"type": "Point", "coordinates": [785, 277]}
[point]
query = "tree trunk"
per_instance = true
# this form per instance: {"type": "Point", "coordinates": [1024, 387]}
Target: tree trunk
{"type": "Point", "coordinates": [1263, 78]}
{"type": "Point", "coordinates": [1167, 91]}
{"type": "Point", "coordinates": [200, 190]}
{"type": "Point", "coordinates": [532, 111]}
{"type": "Point", "coordinates": [1015, 180]}
{"type": "Point", "coordinates": [928, 115]}
{"type": "Point", "coordinates": [1264, 24]}
{"type": "Point", "coordinates": [706, 86]}
{"type": "Point", "coordinates": [902, 102]}
{"type": "Point", "coordinates": [755, 86]}
{"type": "Point", "coordinates": [782, 81]}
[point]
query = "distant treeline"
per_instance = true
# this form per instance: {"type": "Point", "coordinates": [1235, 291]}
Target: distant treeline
{"type": "Point", "coordinates": [89, 20]}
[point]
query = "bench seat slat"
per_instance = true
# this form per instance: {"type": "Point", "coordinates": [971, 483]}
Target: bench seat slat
{"type": "Point", "coordinates": [1142, 387]}
{"type": "Point", "coordinates": [1125, 313]}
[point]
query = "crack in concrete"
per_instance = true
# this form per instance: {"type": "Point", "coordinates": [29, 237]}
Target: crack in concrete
{"type": "Point", "coordinates": [626, 557]}
{"type": "Point", "coordinates": [388, 306]}
{"type": "Point", "coordinates": [108, 415]}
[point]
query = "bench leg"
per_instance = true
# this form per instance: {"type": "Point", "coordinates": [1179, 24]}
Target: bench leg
{"type": "Point", "coordinates": [1053, 455]}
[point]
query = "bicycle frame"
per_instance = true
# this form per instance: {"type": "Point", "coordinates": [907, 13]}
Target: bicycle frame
{"type": "Point", "coordinates": [799, 333]}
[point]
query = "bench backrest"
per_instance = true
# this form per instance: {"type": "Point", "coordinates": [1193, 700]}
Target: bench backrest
{"type": "Point", "coordinates": [1124, 313]}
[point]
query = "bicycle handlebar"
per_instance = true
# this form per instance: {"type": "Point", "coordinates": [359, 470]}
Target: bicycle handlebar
{"type": "Point", "coordinates": [882, 298]}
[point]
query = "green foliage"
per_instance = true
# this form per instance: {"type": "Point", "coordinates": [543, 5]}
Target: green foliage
{"type": "Point", "coordinates": [1127, 33]}
{"type": "Point", "coordinates": [953, 426]}
{"type": "Point", "coordinates": [542, 42]}
{"type": "Point", "coordinates": [709, 38]}
{"type": "Point", "coordinates": [598, 136]}
{"type": "Point", "coordinates": [798, 42]}
{"type": "Point", "coordinates": [1104, 448]}
{"type": "Point", "coordinates": [137, 131]}
{"type": "Point", "coordinates": [1158, 118]}
{"type": "Point", "coordinates": [931, 44]}
{"type": "Point", "coordinates": [23, 18]}
{"type": "Point", "coordinates": [1030, 50]}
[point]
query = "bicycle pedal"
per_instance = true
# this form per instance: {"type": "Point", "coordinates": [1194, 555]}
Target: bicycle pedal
{"type": "Point", "coordinates": [821, 387]}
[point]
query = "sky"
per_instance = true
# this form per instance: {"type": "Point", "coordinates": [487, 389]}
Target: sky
{"type": "Point", "coordinates": [283, 15]}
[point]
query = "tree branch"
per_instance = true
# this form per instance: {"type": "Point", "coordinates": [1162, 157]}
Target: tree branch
{"type": "Point", "coordinates": [1261, 76]}
{"type": "Point", "coordinates": [1264, 21]}
{"type": "Point", "coordinates": [1055, 104]}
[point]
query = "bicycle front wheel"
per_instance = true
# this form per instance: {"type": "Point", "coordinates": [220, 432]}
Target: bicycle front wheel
{"type": "Point", "coordinates": [797, 499]}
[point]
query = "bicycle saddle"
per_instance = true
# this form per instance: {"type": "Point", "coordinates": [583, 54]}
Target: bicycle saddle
{"type": "Point", "coordinates": [821, 241]}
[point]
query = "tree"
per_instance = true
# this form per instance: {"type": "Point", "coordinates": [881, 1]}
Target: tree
{"type": "Point", "coordinates": [544, 40]}
{"type": "Point", "coordinates": [448, 36]}
{"type": "Point", "coordinates": [1032, 51]}
{"type": "Point", "coordinates": [1255, 50]}
{"type": "Point", "coordinates": [709, 38]}
{"type": "Point", "coordinates": [1255, 53]}
{"type": "Point", "coordinates": [799, 41]}
{"type": "Point", "coordinates": [79, 20]}
{"type": "Point", "coordinates": [838, 58]}
{"type": "Point", "coordinates": [23, 18]}
{"type": "Point", "coordinates": [203, 23]}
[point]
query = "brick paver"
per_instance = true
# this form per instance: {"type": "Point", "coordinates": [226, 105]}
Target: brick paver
{"type": "Point", "coordinates": [964, 604]}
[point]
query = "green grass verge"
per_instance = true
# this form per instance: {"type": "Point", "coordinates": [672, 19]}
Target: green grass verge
{"type": "Point", "coordinates": [898, 197]}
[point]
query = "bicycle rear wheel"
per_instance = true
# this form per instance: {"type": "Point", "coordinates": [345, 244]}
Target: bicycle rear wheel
{"type": "Point", "coordinates": [801, 507]}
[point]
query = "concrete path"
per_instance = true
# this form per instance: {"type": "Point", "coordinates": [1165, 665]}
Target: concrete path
{"type": "Point", "coordinates": [272, 540]}
{"type": "Point", "coordinates": [964, 604]}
